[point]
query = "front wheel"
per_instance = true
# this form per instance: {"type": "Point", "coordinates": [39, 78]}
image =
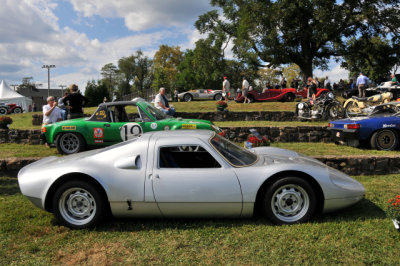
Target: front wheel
{"type": "Point", "coordinates": [385, 139]}
{"type": "Point", "coordinates": [69, 143]}
{"type": "Point", "coordinates": [3, 111]}
{"type": "Point", "coordinates": [289, 200]}
{"type": "Point", "coordinates": [352, 109]}
{"type": "Point", "coordinates": [77, 204]}
{"type": "Point", "coordinates": [335, 111]}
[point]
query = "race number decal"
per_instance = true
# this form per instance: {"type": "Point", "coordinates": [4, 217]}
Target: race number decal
{"type": "Point", "coordinates": [130, 131]}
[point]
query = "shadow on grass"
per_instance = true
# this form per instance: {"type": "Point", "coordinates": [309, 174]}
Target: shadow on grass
{"type": "Point", "coordinates": [9, 185]}
{"type": "Point", "coordinates": [364, 210]}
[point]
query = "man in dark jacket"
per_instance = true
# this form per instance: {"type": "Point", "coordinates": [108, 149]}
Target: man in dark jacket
{"type": "Point", "coordinates": [75, 102]}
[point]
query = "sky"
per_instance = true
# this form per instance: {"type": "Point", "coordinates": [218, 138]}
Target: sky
{"type": "Point", "coordinates": [81, 36]}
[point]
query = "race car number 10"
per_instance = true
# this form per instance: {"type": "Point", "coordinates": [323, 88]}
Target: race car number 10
{"type": "Point", "coordinates": [130, 131]}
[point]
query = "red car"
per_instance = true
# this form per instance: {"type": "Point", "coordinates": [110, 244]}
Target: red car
{"type": "Point", "coordinates": [286, 95]}
{"type": "Point", "coordinates": [10, 108]}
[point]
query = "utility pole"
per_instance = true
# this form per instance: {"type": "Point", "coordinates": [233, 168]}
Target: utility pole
{"type": "Point", "coordinates": [48, 77]}
{"type": "Point", "coordinates": [62, 89]}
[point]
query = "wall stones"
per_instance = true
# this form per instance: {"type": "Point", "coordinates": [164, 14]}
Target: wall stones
{"type": "Point", "coordinates": [31, 136]}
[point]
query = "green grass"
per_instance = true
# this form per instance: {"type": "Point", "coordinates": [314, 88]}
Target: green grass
{"type": "Point", "coordinates": [311, 149]}
{"type": "Point", "coordinates": [358, 235]}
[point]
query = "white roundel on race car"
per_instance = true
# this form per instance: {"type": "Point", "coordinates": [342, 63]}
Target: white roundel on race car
{"type": "Point", "coordinates": [130, 131]}
{"type": "Point", "coordinates": [153, 125]}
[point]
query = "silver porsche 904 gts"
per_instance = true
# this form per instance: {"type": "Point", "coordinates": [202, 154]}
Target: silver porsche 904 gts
{"type": "Point", "coordinates": [185, 174]}
{"type": "Point", "coordinates": [188, 96]}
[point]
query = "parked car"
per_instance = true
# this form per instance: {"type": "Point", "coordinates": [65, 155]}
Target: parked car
{"type": "Point", "coordinates": [188, 96]}
{"type": "Point", "coordinates": [380, 130]}
{"type": "Point", "coordinates": [9, 108]}
{"type": "Point", "coordinates": [286, 95]}
{"type": "Point", "coordinates": [114, 122]}
{"type": "Point", "coordinates": [195, 173]}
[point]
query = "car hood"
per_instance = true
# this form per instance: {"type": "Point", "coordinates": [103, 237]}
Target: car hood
{"type": "Point", "coordinates": [187, 121]}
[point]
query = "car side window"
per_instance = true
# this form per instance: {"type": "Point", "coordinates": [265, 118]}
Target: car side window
{"type": "Point", "coordinates": [191, 156]}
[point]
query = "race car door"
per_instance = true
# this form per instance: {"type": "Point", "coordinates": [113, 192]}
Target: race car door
{"type": "Point", "coordinates": [189, 180]}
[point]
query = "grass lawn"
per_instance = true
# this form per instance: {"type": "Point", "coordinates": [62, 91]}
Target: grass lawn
{"type": "Point", "coordinates": [358, 235]}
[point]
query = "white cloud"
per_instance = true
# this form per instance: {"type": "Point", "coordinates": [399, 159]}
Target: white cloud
{"type": "Point", "coordinates": [335, 74]}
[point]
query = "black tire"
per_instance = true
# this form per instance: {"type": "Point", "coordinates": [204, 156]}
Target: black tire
{"type": "Point", "coordinates": [385, 139]}
{"type": "Point", "coordinates": [218, 97]}
{"type": "Point", "coordinates": [69, 143]}
{"type": "Point", "coordinates": [187, 97]}
{"type": "Point", "coordinates": [289, 97]}
{"type": "Point", "coordinates": [251, 98]}
{"type": "Point", "coordinates": [17, 110]}
{"type": "Point", "coordinates": [289, 200]}
{"type": "Point", "coordinates": [78, 204]}
{"type": "Point", "coordinates": [3, 111]}
{"type": "Point", "coordinates": [349, 109]}
{"type": "Point", "coordinates": [334, 111]}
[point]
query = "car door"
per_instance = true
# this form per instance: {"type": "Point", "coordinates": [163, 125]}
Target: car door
{"type": "Point", "coordinates": [188, 180]}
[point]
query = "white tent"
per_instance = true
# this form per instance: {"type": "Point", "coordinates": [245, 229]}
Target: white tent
{"type": "Point", "coordinates": [7, 95]}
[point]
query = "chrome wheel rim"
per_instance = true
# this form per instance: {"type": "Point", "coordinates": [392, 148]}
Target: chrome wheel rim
{"type": "Point", "coordinates": [69, 143]}
{"type": "Point", "coordinates": [77, 206]}
{"type": "Point", "coordinates": [386, 140]}
{"type": "Point", "coordinates": [188, 98]}
{"type": "Point", "coordinates": [290, 203]}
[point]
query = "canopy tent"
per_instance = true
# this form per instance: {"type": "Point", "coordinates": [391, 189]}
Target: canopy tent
{"type": "Point", "coordinates": [7, 95]}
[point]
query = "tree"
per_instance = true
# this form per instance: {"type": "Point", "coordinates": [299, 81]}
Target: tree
{"type": "Point", "coordinates": [305, 32]}
{"type": "Point", "coordinates": [374, 56]}
{"type": "Point", "coordinates": [269, 75]}
{"type": "Point", "coordinates": [291, 72]}
{"type": "Point", "coordinates": [165, 63]}
{"type": "Point", "coordinates": [110, 73]}
{"type": "Point", "coordinates": [95, 92]}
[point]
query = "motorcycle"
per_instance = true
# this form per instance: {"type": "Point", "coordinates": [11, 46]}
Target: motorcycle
{"type": "Point", "coordinates": [325, 107]}
{"type": "Point", "coordinates": [356, 106]}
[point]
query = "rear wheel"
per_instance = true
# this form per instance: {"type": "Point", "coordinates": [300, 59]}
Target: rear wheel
{"type": "Point", "coordinates": [3, 111]}
{"type": "Point", "coordinates": [385, 139]}
{"type": "Point", "coordinates": [289, 200]}
{"type": "Point", "coordinates": [289, 97]}
{"type": "Point", "coordinates": [335, 111]}
{"type": "Point", "coordinates": [352, 109]}
{"type": "Point", "coordinates": [218, 97]}
{"type": "Point", "coordinates": [69, 143]}
{"type": "Point", "coordinates": [187, 97]}
{"type": "Point", "coordinates": [17, 110]}
{"type": "Point", "coordinates": [77, 204]}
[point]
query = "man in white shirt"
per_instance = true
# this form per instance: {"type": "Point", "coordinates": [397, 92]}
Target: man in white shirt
{"type": "Point", "coordinates": [51, 113]}
{"type": "Point", "coordinates": [226, 86]}
{"type": "Point", "coordinates": [161, 103]}
{"type": "Point", "coordinates": [245, 90]}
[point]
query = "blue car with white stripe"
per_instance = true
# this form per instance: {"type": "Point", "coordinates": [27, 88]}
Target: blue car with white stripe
{"type": "Point", "coordinates": [380, 130]}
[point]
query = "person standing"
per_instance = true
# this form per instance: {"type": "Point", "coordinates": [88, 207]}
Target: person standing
{"type": "Point", "coordinates": [327, 83]}
{"type": "Point", "coordinates": [51, 113]}
{"type": "Point", "coordinates": [362, 82]}
{"type": "Point", "coordinates": [226, 86]}
{"type": "Point", "coordinates": [283, 83]}
{"type": "Point", "coordinates": [75, 102]}
{"type": "Point", "coordinates": [245, 90]}
{"type": "Point", "coordinates": [312, 88]}
{"type": "Point", "coordinates": [176, 92]}
{"type": "Point", "coordinates": [161, 103]}
{"type": "Point", "coordinates": [394, 79]}
{"type": "Point", "coordinates": [61, 105]}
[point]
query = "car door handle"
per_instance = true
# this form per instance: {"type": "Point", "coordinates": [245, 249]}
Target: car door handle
{"type": "Point", "coordinates": [107, 125]}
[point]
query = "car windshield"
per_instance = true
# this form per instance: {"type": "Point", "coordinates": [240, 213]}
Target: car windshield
{"type": "Point", "coordinates": [157, 114]}
{"type": "Point", "coordinates": [234, 154]}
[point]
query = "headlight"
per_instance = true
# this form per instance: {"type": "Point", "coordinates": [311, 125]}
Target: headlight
{"type": "Point", "coordinates": [300, 105]}
{"type": "Point", "coordinates": [330, 95]}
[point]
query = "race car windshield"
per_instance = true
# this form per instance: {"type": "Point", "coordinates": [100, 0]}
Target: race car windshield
{"type": "Point", "coordinates": [157, 114]}
{"type": "Point", "coordinates": [234, 154]}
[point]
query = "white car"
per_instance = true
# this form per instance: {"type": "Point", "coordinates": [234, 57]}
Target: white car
{"type": "Point", "coordinates": [193, 173]}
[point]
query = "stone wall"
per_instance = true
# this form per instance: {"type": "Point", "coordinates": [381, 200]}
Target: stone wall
{"type": "Point", "coordinates": [351, 165]}
{"type": "Point", "coordinates": [217, 116]}
{"type": "Point", "coordinates": [31, 136]}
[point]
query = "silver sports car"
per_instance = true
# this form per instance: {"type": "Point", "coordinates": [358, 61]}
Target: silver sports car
{"type": "Point", "coordinates": [185, 174]}
{"type": "Point", "coordinates": [188, 96]}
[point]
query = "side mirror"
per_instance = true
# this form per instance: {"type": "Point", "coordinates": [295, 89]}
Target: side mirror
{"type": "Point", "coordinates": [132, 162]}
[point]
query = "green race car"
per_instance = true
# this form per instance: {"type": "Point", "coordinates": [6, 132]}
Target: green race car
{"type": "Point", "coordinates": [115, 122]}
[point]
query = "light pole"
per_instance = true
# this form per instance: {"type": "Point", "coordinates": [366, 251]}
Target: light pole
{"type": "Point", "coordinates": [62, 89]}
{"type": "Point", "coordinates": [48, 77]}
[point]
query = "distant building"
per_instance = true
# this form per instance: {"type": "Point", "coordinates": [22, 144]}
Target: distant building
{"type": "Point", "coordinates": [39, 96]}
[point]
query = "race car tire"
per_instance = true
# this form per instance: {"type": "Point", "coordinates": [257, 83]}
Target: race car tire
{"type": "Point", "coordinates": [187, 97]}
{"type": "Point", "coordinates": [385, 139]}
{"type": "Point", "coordinates": [69, 143]}
{"type": "Point", "coordinates": [289, 200]}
